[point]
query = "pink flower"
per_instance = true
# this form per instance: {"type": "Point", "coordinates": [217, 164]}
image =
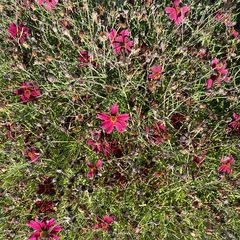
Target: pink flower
{"type": "Point", "coordinates": [226, 164]}
{"type": "Point", "coordinates": [120, 41]}
{"type": "Point", "coordinates": [49, 4]}
{"type": "Point", "coordinates": [219, 75]}
{"type": "Point", "coordinates": [19, 33]}
{"type": "Point", "coordinates": [224, 18]}
{"type": "Point", "coordinates": [44, 229]}
{"type": "Point", "coordinates": [156, 72]}
{"type": "Point", "coordinates": [158, 134]}
{"type": "Point", "coordinates": [113, 120]}
{"type": "Point", "coordinates": [176, 13]}
{"type": "Point", "coordinates": [28, 91]}
{"type": "Point", "coordinates": [233, 33]}
{"type": "Point", "coordinates": [86, 59]}
{"type": "Point", "coordinates": [104, 223]}
{"type": "Point", "coordinates": [100, 145]}
{"type": "Point", "coordinates": [31, 154]}
{"type": "Point", "coordinates": [235, 124]}
{"type": "Point", "coordinates": [94, 168]}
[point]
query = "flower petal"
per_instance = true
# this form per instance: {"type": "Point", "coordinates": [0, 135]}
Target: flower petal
{"type": "Point", "coordinates": [103, 116]}
{"type": "Point", "coordinates": [114, 109]}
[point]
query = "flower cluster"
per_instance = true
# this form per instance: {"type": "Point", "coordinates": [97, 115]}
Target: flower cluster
{"type": "Point", "coordinates": [28, 91]}
{"type": "Point", "coordinates": [104, 141]}
{"type": "Point", "coordinates": [177, 13]}
{"type": "Point", "coordinates": [120, 42]}
{"type": "Point", "coordinates": [219, 74]}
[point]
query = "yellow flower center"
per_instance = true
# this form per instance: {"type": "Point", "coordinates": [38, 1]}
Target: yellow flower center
{"type": "Point", "coordinates": [113, 119]}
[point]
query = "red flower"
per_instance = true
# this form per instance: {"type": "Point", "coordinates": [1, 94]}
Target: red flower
{"type": "Point", "coordinates": [46, 187]}
{"type": "Point", "coordinates": [31, 154]}
{"type": "Point", "coordinates": [113, 120]}
{"type": "Point", "coordinates": [49, 4]}
{"type": "Point", "coordinates": [158, 134]}
{"type": "Point", "coordinates": [219, 75]}
{"type": "Point", "coordinates": [44, 206]}
{"type": "Point", "coordinates": [156, 72]}
{"type": "Point", "coordinates": [85, 59]}
{"type": "Point", "coordinates": [19, 33]}
{"type": "Point", "coordinates": [104, 223]}
{"type": "Point", "coordinates": [101, 145]}
{"type": "Point", "coordinates": [235, 124]}
{"type": "Point", "coordinates": [226, 164]}
{"type": "Point", "coordinates": [29, 91]}
{"type": "Point", "coordinates": [198, 159]}
{"type": "Point", "coordinates": [120, 41]}
{"type": "Point", "coordinates": [94, 168]}
{"type": "Point", "coordinates": [177, 120]}
{"type": "Point", "coordinates": [176, 13]}
{"type": "Point", "coordinates": [44, 229]}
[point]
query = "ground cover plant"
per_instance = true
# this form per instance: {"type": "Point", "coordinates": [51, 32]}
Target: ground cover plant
{"type": "Point", "coordinates": [119, 119]}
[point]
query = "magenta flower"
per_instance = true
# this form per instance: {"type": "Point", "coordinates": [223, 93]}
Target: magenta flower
{"type": "Point", "coordinates": [44, 229]}
{"type": "Point", "coordinates": [158, 134]}
{"type": "Point", "coordinates": [86, 59]}
{"type": "Point", "coordinates": [28, 91]}
{"type": "Point", "coordinates": [31, 154]}
{"type": "Point", "coordinates": [100, 145]}
{"type": "Point", "coordinates": [176, 13]}
{"type": "Point", "coordinates": [156, 72]}
{"type": "Point", "coordinates": [49, 4]}
{"type": "Point", "coordinates": [226, 164]}
{"type": "Point", "coordinates": [104, 223]}
{"type": "Point", "coordinates": [235, 124]}
{"type": "Point", "coordinates": [94, 168]}
{"type": "Point", "coordinates": [19, 33]}
{"type": "Point", "coordinates": [233, 33]}
{"type": "Point", "coordinates": [113, 120]}
{"type": "Point", "coordinates": [224, 18]}
{"type": "Point", "coordinates": [219, 75]}
{"type": "Point", "coordinates": [120, 41]}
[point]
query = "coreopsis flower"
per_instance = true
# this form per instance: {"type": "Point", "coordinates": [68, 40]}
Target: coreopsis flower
{"type": "Point", "coordinates": [44, 206]}
{"type": "Point", "coordinates": [224, 18]}
{"type": "Point", "coordinates": [226, 164]}
{"type": "Point", "coordinates": [100, 145]}
{"type": "Point", "coordinates": [156, 72]}
{"type": "Point", "coordinates": [157, 134]}
{"type": "Point", "coordinates": [104, 223]}
{"type": "Point", "coordinates": [19, 33]}
{"type": "Point", "coordinates": [86, 59]}
{"type": "Point", "coordinates": [44, 229]}
{"type": "Point", "coordinates": [177, 120]}
{"type": "Point", "coordinates": [113, 120]}
{"type": "Point", "coordinates": [198, 159]}
{"type": "Point", "coordinates": [219, 75]}
{"type": "Point", "coordinates": [31, 154]}
{"type": "Point", "coordinates": [94, 168]}
{"type": "Point", "coordinates": [233, 33]}
{"type": "Point", "coordinates": [48, 4]}
{"type": "Point", "coordinates": [177, 13]}
{"type": "Point", "coordinates": [120, 42]}
{"type": "Point", "coordinates": [235, 124]}
{"type": "Point", "coordinates": [46, 187]}
{"type": "Point", "coordinates": [28, 91]}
